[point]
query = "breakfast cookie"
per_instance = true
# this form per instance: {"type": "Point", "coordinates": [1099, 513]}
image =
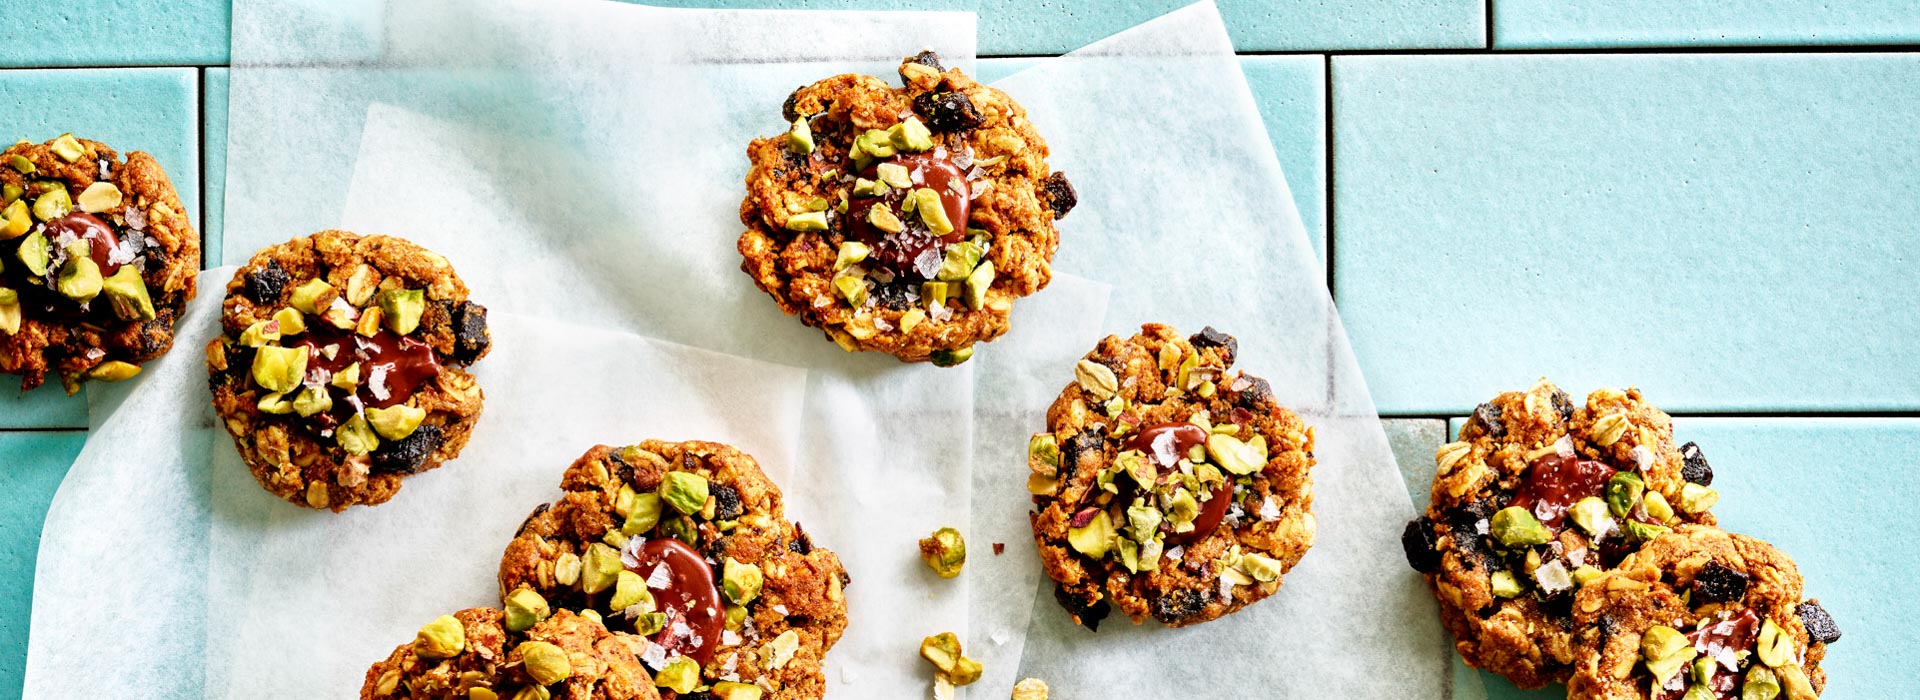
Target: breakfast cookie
{"type": "Point", "coordinates": [97, 262]}
{"type": "Point", "coordinates": [342, 366]}
{"type": "Point", "coordinates": [903, 220]}
{"type": "Point", "coordinates": [1701, 614]}
{"type": "Point", "coordinates": [484, 654]}
{"type": "Point", "coordinates": [1537, 496]}
{"type": "Point", "coordinates": [1165, 486]}
{"type": "Point", "coordinates": [687, 544]}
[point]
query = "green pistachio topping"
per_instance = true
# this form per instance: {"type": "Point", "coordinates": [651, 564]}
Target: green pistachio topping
{"type": "Point", "coordinates": [740, 581]}
{"type": "Point", "coordinates": [800, 137]}
{"type": "Point", "coordinates": [1775, 645]}
{"type": "Point", "coordinates": [1591, 515]}
{"type": "Point", "coordinates": [961, 259]}
{"type": "Point", "coordinates": [99, 197]}
{"type": "Point", "coordinates": [395, 422]}
{"type": "Point", "coordinates": [17, 219]}
{"type": "Point", "coordinates": [681, 675]}
{"type": "Point", "coordinates": [68, 148]}
{"type": "Point", "coordinates": [1504, 584]}
{"type": "Point", "coordinates": [600, 568]}
{"type": "Point", "coordinates": [863, 187]}
{"type": "Point", "coordinates": [348, 378]}
{"type": "Point", "coordinates": [20, 163]}
{"type": "Point", "coordinates": [1642, 532]}
{"type": "Point", "coordinates": [945, 551]}
{"type": "Point", "coordinates": [442, 638]}
{"type": "Point", "coordinates": [260, 334]}
{"type": "Point", "coordinates": [1666, 652]}
{"type": "Point", "coordinates": [977, 285]}
{"type": "Point", "coordinates": [80, 279]}
{"type": "Point", "coordinates": [1695, 498]}
{"type": "Point", "coordinates": [1262, 568]}
{"type": "Point", "coordinates": [291, 322]}
{"type": "Point", "coordinates": [933, 212]}
{"type": "Point", "coordinates": [545, 662]}
{"type": "Point", "coordinates": [935, 293]}
{"type": "Point", "coordinates": [911, 136]}
{"type": "Point", "coordinates": [630, 590]}
{"type": "Point", "coordinates": [1239, 458]}
{"type": "Point", "coordinates": [851, 252]}
{"type": "Point", "coordinates": [1515, 527]}
{"type": "Point", "coordinates": [1623, 491]}
{"type": "Point", "coordinates": [35, 253]}
{"type": "Point", "coordinates": [401, 308]}
{"type": "Point", "coordinates": [355, 436]}
{"type": "Point", "coordinates": [54, 204]}
{"type": "Point", "coordinates": [276, 404]}
{"type": "Point", "coordinates": [809, 221]}
{"type": "Point", "coordinates": [1045, 448]}
{"type": "Point", "coordinates": [643, 514]}
{"type": "Point", "coordinates": [734, 690]}
{"type": "Point", "coordinates": [128, 294]}
{"type": "Point", "coordinates": [524, 609]}
{"type": "Point", "coordinates": [312, 400]}
{"type": "Point", "coordinates": [895, 175]}
{"type": "Point", "coordinates": [1657, 506]}
{"type": "Point", "coordinates": [684, 491]}
{"type": "Point", "coordinates": [852, 288]}
{"type": "Point", "coordinates": [1095, 538]}
{"type": "Point", "coordinates": [876, 143]}
{"type": "Point", "coordinates": [314, 296]}
{"type": "Point", "coordinates": [10, 317]}
{"type": "Point", "coordinates": [1761, 684]}
{"type": "Point", "coordinates": [942, 650]}
{"type": "Point", "coordinates": [949, 358]}
{"type": "Point", "coordinates": [965, 671]}
{"type": "Point", "coordinates": [279, 369]}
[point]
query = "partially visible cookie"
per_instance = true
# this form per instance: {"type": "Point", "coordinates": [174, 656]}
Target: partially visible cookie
{"type": "Point", "coordinates": [1167, 487]}
{"type": "Point", "coordinates": [479, 654]}
{"type": "Point", "coordinates": [1536, 496]}
{"type": "Point", "coordinates": [342, 366]}
{"type": "Point", "coordinates": [903, 220]}
{"type": "Point", "coordinates": [1701, 613]}
{"type": "Point", "coordinates": [97, 261]}
{"type": "Point", "coordinates": [688, 545]}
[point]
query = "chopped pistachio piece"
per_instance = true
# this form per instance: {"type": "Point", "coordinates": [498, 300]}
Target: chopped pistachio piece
{"type": "Point", "coordinates": [260, 334]}
{"type": "Point", "coordinates": [950, 358]}
{"type": "Point", "coordinates": [361, 284]}
{"type": "Point", "coordinates": [80, 279]}
{"type": "Point", "coordinates": [18, 220]}
{"type": "Point", "coordinates": [630, 590]}
{"type": "Point", "coordinates": [686, 492]}
{"type": "Point", "coordinates": [936, 293]}
{"type": "Point", "coordinates": [852, 288]}
{"type": "Point", "coordinates": [396, 422]}
{"type": "Point", "coordinates": [279, 369]}
{"type": "Point", "coordinates": [275, 403]}
{"type": "Point", "coordinates": [1093, 539]}
{"type": "Point", "coordinates": [442, 638]}
{"type": "Point", "coordinates": [566, 569]}
{"type": "Point", "coordinates": [978, 283]}
{"type": "Point", "coordinates": [863, 187]}
{"type": "Point", "coordinates": [800, 137]}
{"type": "Point", "coordinates": [933, 212]}
{"type": "Point", "coordinates": [128, 294]}
{"type": "Point", "coordinates": [1623, 491]}
{"type": "Point", "coordinates": [314, 297]}
{"type": "Point", "coordinates": [1585, 574]}
{"type": "Point", "coordinates": [1695, 498]}
{"type": "Point", "coordinates": [681, 675]}
{"type": "Point", "coordinates": [911, 319]}
{"type": "Point", "coordinates": [1761, 684]}
{"type": "Point", "coordinates": [1045, 448]}
{"type": "Point", "coordinates": [911, 136]}
{"type": "Point", "coordinates": [1238, 457]}
{"type": "Point", "coordinates": [20, 163]}
{"type": "Point", "coordinates": [965, 671]}
{"type": "Point", "coordinates": [68, 148]}
{"type": "Point", "coordinates": [1591, 515]}
{"type": "Point", "coordinates": [1504, 584]}
{"type": "Point", "coordinates": [942, 650]}
{"type": "Point", "coordinates": [52, 205]}
{"type": "Point", "coordinates": [1775, 645]}
{"type": "Point", "coordinates": [1262, 568]}
{"type": "Point", "coordinates": [401, 309]}
{"type": "Point", "coordinates": [643, 514]}
{"type": "Point", "coordinates": [876, 143]}
{"type": "Point", "coordinates": [895, 175]}
{"type": "Point", "coordinates": [1515, 527]}
{"type": "Point", "coordinates": [945, 551]}
{"type": "Point", "coordinates": [883, 218]}
{"type": "Point", "coordinates": [809, 221]}
{"type": "Point", "coordinates": [734, 690]}
{"type": "Point", "coordinates": [99, 197]}
{"type": "Point", "coordinates": [1657, 506]}
{"type": "Point", "coordinates": [741, 581]}
{"type": "Point", "coordinates": [1181, 509]}
{"type": "Point", "coordinates": [355, 436]}
{"type": "Point", "coordinates": [524, 609]}
{"type": "Point", "coordinates": [545, 662]}
{"type": "Point", "coordinates": [348, 379]}
{"type": "Point", "coordinates": [1666, 652]}
{"type": "Point", "coordinates": [646, 624]}
{"type": "Point", "coordinates": [291, 322]}
{"type": "Point", "coordinates": [35, 253]}
{"type": "Point", "coordinates": [959, 262]}
{"type": "Point", "coordinates": [311, 401]}
{"type": "Point", "coordinates": [600, 568]}
{"type": "Point", "coordinates": [10, 316]}
{"type": "Point", "coordinates": [1641, 532]}
{"type": "Point", "coordinates": [113, 371]}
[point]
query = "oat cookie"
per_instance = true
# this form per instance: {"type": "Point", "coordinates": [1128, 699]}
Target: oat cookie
{"type": "Point", "coordinates": [1537, 497]}
{"type": "Point", "coordinates": [1166, 486]}
{"type": "Point", "coordinates": [1701, 614]}
{"type": "Point", "coordinates": [342, 366]}
{"type": "Point", "coordinates": [904, 221]}
{"type": "Point", "coordinates": [482, 654]}
{"type": "Point", "coordinates": [97, 262]}
{"type": "Point", "coordinates": [687, 544]}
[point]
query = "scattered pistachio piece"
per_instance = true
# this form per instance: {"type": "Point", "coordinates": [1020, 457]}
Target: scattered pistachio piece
{"type": "Point", "coordinates": [851, 252]}
{"type": "Point", "coordinates": [1237, 457]}
{"type": "Point", "coordinates": [1761, 684]}
{"type": "Point", "coordinates": [402, 309]}
{"type": "Point", "coordinates": [127, 292]}
{"type": "Point", "coordinates": [260, 334]}
{"type": "Point", "coordinates": [1666, 651]}
{"type": "Point", "coordinates": [781, 650]}
{"type": "Point", "coordinates": [348, 379]}
{"type": "Point", "coordinates": [959, 261]}
{"type": "Point", "coordinates": [686, 492]}
{"type": "Point", "coordinates": [1695, 498]}
{"type": "Point", "coordinates": [965, 671]}
{"type": "Point", "coordinates": [52, 205]}
{"type": "Point", "coordinates": [935, 293]}
{"type": "Point", "coordinates": [643, 514]}
{"type": "Point", "coordinates": [18, 219]}
{"type": "Point", "coordinates": [291, 322]}
{"type": "Point", "coordinates": [933, 212]}
{"type": "Point", "coordinates": [1504, 584]}
{"type": "Point", "coordinates": [524, 609]}
{"type": "Point", "coordinates": [911, 136]}
{"type": "Point", "coordinates": [361, 284]}
{"type": "Point", "coordinates": [479, 693]}
{"type": "Point", "coordinates": [681, 675]}
{"type": "Point", "coordinates": [275, 403]}
{"type": "Point", "coordinates": [800, 137]}
{"type": "Point", "coordinates": [1585, 574]}
{"type": "Point", "coordinates": [311, 401]}
{"type": "Point", "coordinates": [1642, 532]}
{"type": "Point", "coordinates": [68, 148]}
{"type": "Point", "coordinates": [895, 175]}
{"type": "Point", "coordinates": [99, 197]}
{"type": "Point", "coordinates": [911, 319]}
{"type": "Point", "coordinates": [10, 317]}
{"type": "Point", "coordinates": [1045, 448]}
{"type": "Point", "coordinates": [1775, 645]}
{"type": "Point", "coordinates": [1093, 539]}
{"type": "Point", "coordinates": [396, 422]}
{"type": "Point", "coordinates": [80, 279]}
{"type": "Point", "coordinates": [355, 436]}
{"type": "Point", "coordinates": [600, 568]}
{"type": "Point", "coordinates": [1591, 515]}
{"type": "Point", "coordinates": [35, 253]}
{"type": "Point", "coordinates": [741, 581]}
{"type": "Point", "coordinates": [314, 297]}
{"type": "Point", "coordinates": [279, 369]}
{"type": "Point", "coordinates": [10, 193]}
{"type": "Point", "coordinates": [1096, 379]}
{"type": "Point", "coordinates": [113, 371]}
{"type": "Point", "coordinates": [883, 218]}
{"type": "Point", "coordinates": [942, 650]}
{"type": "Point", "coordinates": [20, 163]}
{"type": "Point", "coordinates": [852, 288]}
{"type": "Point", "coordinates": [978, 283]}
{"type": "Point", "coordinates": [630, 590]}
{"type": "Point", "coordinates": [443, 638]}
{"type": "Point", "coordinates": [1261, 567]}
{"type": "Point", "coordinates": [1623, 491]}
{"type": "Point", "coordinates": [809, 221]}
{"type": "Point", "coordinates": [545, 662]}
{"type": "Point", "coordinates": [1515, 527]}
{"type": "Point", "coordinates": [1657, 506]}
{"type": "Point", "coordinates": [735, 690]}
{"type": "Point", "coordinates": [876, 143]}
{"type": "Point", "coordinates": [945, 551]}
{"type": "Point", "coordinates": [950, 358]}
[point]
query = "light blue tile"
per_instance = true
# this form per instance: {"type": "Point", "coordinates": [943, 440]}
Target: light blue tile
{"type": "Point", "coordinates": [1685, 23]}
{"type": "Point", "coordinates": [1291, 92]}
{"type": "Point", "coordinates": [213, 88]}
{"type": "Point", "coordinates": [116, 32]}
{"type": "Point", "coordinates": [1728, 232]}
{"type": "Point", "coordinates": [34, 463]}
{"type": "Point", "coordinates": [131, 109]}
{"type": "Point", "coordinates": [1021, 27]}
{"type": "Point", "coordinates": [1414, 441]}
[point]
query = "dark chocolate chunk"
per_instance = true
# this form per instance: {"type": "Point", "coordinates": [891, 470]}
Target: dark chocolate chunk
{"type": "Point", "coordinates": [470, 337]}
{"type": "Point", "coordinates": [1060, 194]}
{"type": "Point", "coordinates": [1820, 626]}
{"type": "Point", "coordinates": [1608, 626]}
{"type": "Point", "coordinates": [1563, 403]}
{"type": "Point", "coordinates": [1181, 604]}
{"type": "Point", "coordinates": [697, 695]}
{"type": "Point", "coordinates": [1463, 524]}
{"type": "Point", "coordinates": [801, 544]}
{"type": "Point", "coordinates": [1087, 614]}
{"type": "Point", "coordinates": [1420, 543]}
{"type": "Point", "coordinates": [1076, 449]}
{"type": "Point", "coordinates": [929, 59]}
{"type": "Point", "coordinates": [892, 295]}
{"type": "Point", "coordinates": [790, 108]}
{"type": "Point", "coordinates": [1210, 338]}
{"type": "Point", "coordinates": [408, 454]}
{"type": "Point", "coordinates": [1256, 393]}
{"type": "Point", "coordinates": [1718, 583]}
{"type": "Point", "coordinates": [948, 111]}
{"type": "Point", "coordinates": [726, 502]}
{"type": "Point", "coordinates": [1695, 469]}
{"type": "Point", "coordinates": [265, 283]}
{"type": "Point", "coordinates": [1487, 416]}
{"type": "Point", "coordinates": [524, 524]}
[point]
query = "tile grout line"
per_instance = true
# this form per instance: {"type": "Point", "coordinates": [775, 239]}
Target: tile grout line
{"type": "Point", "coordinates": [1487, 14]}
{"type": "Point", "coordinates": [1326, 89]}
{"type": "Point", "coordinates": [200, 127]}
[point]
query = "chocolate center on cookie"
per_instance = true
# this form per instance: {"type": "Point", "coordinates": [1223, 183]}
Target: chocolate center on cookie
{"type": "Point", "coordinates": [392, 367]}
{"type": "Point", "coordinates": [1165, 445]}
{"type": "Point", "coordinates": [904, 239]}
{"type": "Point", "coordinates": [683, 588]}
{"type": "Point", "coordinates": [1554, 483]}
{"type": "Point", "coordinates": [103, 245]}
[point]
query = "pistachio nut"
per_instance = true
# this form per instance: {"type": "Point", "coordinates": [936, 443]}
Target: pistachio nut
{"type": "Point", "coordinates": [1703, 668]}
{"type": "Point", "coordinates": [875, 143]}
{"type": "Point", "coordinates": [945, 551]}
{"type": "Point", "coordinates": [942, 650]}
{"type": "Point", "coordinates": [396, 422]}
{"type": "Point", "coordinates": [681, 675]}
{"type": "Point", "coordinates": [566, 569]}
{"type": "Point", "coordinates": [1237, 457]}
{"type": "Point", "coordinates": [348, 378]}
{"type": "Point", "coordinates": [54, 204]}
{"type": "Point", "coordinates": [1775, 645]}
{"type": "Point", "coordinates": [1128, 552]}
{"type": "Point", "coordinates": [35, 253]}
{"type": "Point", "coordinates": [279, 369]}
{"type": "Point", "coordinates": [1585, 574]}
{"type": "Point", "coordinates": [681, 529]}
{"type": "Point", "coordinates": [1657, 506]}
{"type": "Point", "coordinates": [895, 175]}
{"type": "Point", "coordinates": [734, 690]}
{"type": "Point", "coordinates": [1761, 684]}
{"type": "Point", "coordinates": [686, 492]}
{"type": "Point", "coordinates": [1030, 689]}
{"type": "Point", "coordinates": [260, 334]}
{"type": "Point", "coordinates": [442, 638]}
{"type": "Point", "coordinates": [1590, 514]}
{"type": "Point", "coordinates": [68, 148]}
{"type": "Point", "coordinates": [1698, 692]}
{"type": "Point", "coordinates": [965, 671]}
{"type": "Point", "coordinates": [852, 288]}
{"type": "Point", "coordinates": [741, 581]}
{"type": "Point", "coordinates": [291, 322]}
{"type": "Point", "coordinates": [1794, 681]}
{"type": "Point", "coordinates": [911, 318]}
{"type": "Point", "coordinates": [361, 284]}
{"type": "Point", "coordinates": [312, 400]}
{"type": "Point", "coordinates": [1093, 539]}
{"type": "Point", "coordinates": [1665, 651]}
{"type": "Point", "coordinates": [99, 197]}
{"type": "Point", "coordinates": [524, 609]}
{"type": "Point", "coordinates": [1515, 527]}
{"type": "Point", "coordinates": [127, 292]}
{"type": "Point", "coordinates": [21, 164]}
{"type": "Point", "coordinates": [600, 567]}
{"type": "Point", "coordinates": [646, 624]}
{"type": "Point", "coordinates": [883, 218]}
{"type": "Point", "coordinates": [800, 137]}
{"type": "Point", "coordinates": [977, 285]}
{"type": "Point", "coordinates": [275, 403]}
{"type": "Point", "coordinates": [80, 279]}
{"type": "Point", "coordinates": [1144, 520]}
{"type": "Point", "coordinates": [936, 293]}
{"type": "Point", "coordinates": [736, 617]}
{"type": "Point", "coordinates": [959, 262]}
{"type": "Point", "coordinates": [546, 663]}
{"type": "Point", "coordinates": [643, 514]}
{"type": "Point", "coordinates": [630, 590]}
{"type": "Point", "coordinates": [10, 317]}
{"type": "Point", "coordinates": [1181, 509]}
{"type": "Point", "coordinates": [933, 212]}
{"type": "Point", "coordinates": [1695, 498]}
{"type": "Point", "coordinates": [1045, 449]}
{"type": "Point", "coordinates": [113, 371]}
{"type": "Point", "coordinates": [1096, 379]}
{"type": "Point", "coordinates": [594, 616]}
{"type": "Point", "coordinates": [1623, 491]}
{"type": "Point", "coordinates": [1262, 568]}
{"type": "Point", "coordinates": [950, 358]}
{"type": "Point", "coordinates": [851, 252]}
{"type": "Point", "coordinates": [1642, 532]}
{"type": "Point", "coordinates": [479, 693]}
{"type": "Point", "coordinates": [401, 308]}
{"type": "Point", "coordinates": [1504, 584]}
{"type": "Point", "coordinates": [910, 136]}
{"type": "Point", "coordinates": [18, 220]}
{"type": "Point", "coordinates": [355, 436]}
{"type": "Point", "coordinates": [778, 652]}
{"type": "Point", "coordinates": [10, 193]}
{"type": "Point", "coordinates": [314, 296]}
{"type": "Point", "coordinates": [534, 692]}
{"type": "Point", "coordinates": [863, 187]}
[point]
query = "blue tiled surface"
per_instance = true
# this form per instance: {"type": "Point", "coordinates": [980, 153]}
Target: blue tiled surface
{"type": "Point", "coordinates": [1729, 232]}
{"type": "Point", "coordinates": [115, 32]}
{"type": "Point", "coordinates": [1609, 23]}
{"type": "Point", "coordinates": [213, 85]}
{"type": "Point", "coordinates": [31, 466]}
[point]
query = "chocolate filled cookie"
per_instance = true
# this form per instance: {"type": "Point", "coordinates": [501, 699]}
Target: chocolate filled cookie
{"type": "Point", "coordinates": [1537, 497]}
{"type": "Point", "coordinates": [903, 220]}
{"type": "Point", "coordinates": [1166, 486]}
{"type": "Point", "coordinates": [342, 364]}
{"type": "Point", "coordinates": [485, 654]}
{"type": "Point", "coordinates": [687, 545]}
{"type": "Point", "coordinates": [1700, 614]}
{"type": "Point", "coordinates": [97, 262]}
